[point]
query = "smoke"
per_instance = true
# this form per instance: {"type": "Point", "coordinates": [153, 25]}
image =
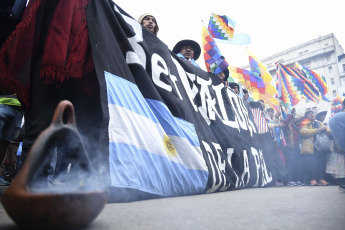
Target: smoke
{"type": "Point", "coordinates": [65, 166]}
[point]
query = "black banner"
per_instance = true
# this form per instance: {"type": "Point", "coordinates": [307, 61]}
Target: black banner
{"type": "Point", "coordinates": [126, 53]}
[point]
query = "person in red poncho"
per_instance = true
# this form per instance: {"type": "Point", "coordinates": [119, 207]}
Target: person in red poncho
{"type": "Point", "coordinates": [47, 59]}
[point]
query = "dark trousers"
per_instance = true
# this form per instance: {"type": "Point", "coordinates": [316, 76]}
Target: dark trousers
{"type": "Point", "coordinates": [294, 164]}
{"type": "Point", "coordinates": [321, 161]}
{"type": "Point", "coordinates": [314, 166]}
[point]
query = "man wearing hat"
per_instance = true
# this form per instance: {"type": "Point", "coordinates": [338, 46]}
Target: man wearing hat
{"type": "Point", "coordinates": [149, 22]}
{"type": "Point", "coordinates": [235, 87]}
{"type": "Point", "coordinates": [320, 116]}
{"type": "Point", "coordinates": [188, 50]}
{"type": "Point", "coordinates": [224, 75]}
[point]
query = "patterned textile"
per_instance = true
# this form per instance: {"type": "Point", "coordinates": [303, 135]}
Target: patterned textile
{"type": "Point", "coordinates": [258, 67]}
{"type": "Point", "coordinates": [336, 105]}
{"type": "Point", "coordinates": [214, 60]}
{"type": "Point", "coordinates": [260, 121]}
{"type": "Point", "coordinates": [310, 92]}
{"type": "Point", "coordinates": [294, 86]}
{"type": "Point", "coordinates": [221, 27]}
{"type": "Point", "coordinates": [251, 81]}
{"type": "Point", "coordinates": [282, 91]}
{"type": "Point", "coordinates": [66, 52]}
{"type": "Point", "coordinates": [318, 80]}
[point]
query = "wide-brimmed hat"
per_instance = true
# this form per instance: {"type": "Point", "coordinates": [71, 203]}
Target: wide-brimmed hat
{"type": "Point", "coordinates": [197, 50]}
{"type": "Point", "coordinates": [141, 18]}
{"type": "Point", "coordinates": [319, 114]}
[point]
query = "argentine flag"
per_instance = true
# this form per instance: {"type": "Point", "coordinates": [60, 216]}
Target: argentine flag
{"type": "Point", "coordinates": [149, 149]}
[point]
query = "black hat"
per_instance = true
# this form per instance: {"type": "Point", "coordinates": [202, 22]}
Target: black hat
{"type": "Point", "coordinates": [197, 50]}
{"type": "Point", "coordinates": [233, 84]}
{"type": "Point", "coordinates": [226, 73]}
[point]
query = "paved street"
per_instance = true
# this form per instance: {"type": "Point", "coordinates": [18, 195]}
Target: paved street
{"type": "Point", "coordinates": [264, 208]}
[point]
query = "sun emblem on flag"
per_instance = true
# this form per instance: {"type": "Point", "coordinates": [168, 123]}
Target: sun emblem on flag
{"type": "Point", "coordinates": [169, 147]}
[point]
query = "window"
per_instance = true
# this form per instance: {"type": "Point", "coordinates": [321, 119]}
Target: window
{"type": "Point", "coordinates": [313, 109]}
{"type": "Point", "coordinates": [307, 64]}
{"type": "Point", "coordinates": [334, 93]}
{"type": "Point", "coordinates": [342, 81]}
{"type": "Point", "coordinates": [301, 53]}
{"type": "Point", "coordinates": [306, 51]}
{"type": "Point", "coordinates": [332, 81]}
{"type": "Point", "coordinates": [344, 67]}
{"type": "Point", "coordinates": [326, 44]}
{"type": "Point", "coordinates": [330, 70]}
{"type": "Point", "coordinates": [328, 57]}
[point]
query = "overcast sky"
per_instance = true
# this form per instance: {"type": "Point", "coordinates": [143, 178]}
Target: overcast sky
{"type": "Point", "coordinates": [273, 25]}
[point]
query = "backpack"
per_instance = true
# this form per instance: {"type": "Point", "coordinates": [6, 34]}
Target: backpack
{"type": "Point", "coordinates": [322, 142]}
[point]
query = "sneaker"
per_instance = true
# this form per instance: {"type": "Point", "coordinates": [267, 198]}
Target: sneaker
{"type": "Point", "coordinates": [342, 187]}
{"type": "Point", "coordinates": [313, 183]}
{"type": "Point", "coordinates": [323, 182]}
{"type": "Point", "coordinates": [299, 183]}
{"type": "Point", "coordinates": [292, 183]}
{"type": "Point", "coordinates": [3, 182]}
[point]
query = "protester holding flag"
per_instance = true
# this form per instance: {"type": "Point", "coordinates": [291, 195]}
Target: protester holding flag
{"type": "Point", "coordinates": [188, 50]}
{"type": "Point", "coordinates": [313, 160]}
{"type": "Point", "coordinates": [292, 151]}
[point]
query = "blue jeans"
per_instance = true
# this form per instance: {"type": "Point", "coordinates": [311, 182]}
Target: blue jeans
{"type": "Point", "coordinates": [10, 120]}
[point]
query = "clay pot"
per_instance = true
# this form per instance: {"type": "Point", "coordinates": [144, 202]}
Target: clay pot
{"type": "Point", "coordinates": [32, 209]}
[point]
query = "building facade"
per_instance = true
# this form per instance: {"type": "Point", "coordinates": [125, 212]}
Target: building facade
{"type": "Point", "coordinates": [324, 55]}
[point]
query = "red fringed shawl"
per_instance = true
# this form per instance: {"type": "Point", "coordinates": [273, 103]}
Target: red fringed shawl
{"type": "Point", "coordinates": [66, 54]}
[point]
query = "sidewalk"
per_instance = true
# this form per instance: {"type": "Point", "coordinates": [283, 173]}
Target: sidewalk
{"type": "Point", "coordinates": [314, 208]}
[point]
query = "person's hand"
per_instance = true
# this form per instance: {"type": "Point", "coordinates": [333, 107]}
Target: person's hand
{"type": "Point", "coordinates": [319, 130]}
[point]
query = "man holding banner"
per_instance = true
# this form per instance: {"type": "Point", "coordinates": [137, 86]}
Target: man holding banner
{"type": "Point", "coordinates": [188, 50]}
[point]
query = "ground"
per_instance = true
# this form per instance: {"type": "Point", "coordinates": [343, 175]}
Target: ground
{"type": "Point", "coordinates": [320, 207]}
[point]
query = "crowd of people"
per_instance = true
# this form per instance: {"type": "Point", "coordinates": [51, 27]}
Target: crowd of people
{"type": "Point", "coordinates": [303, 143]}
{"type": "Point", "coordinates": [294, 137]}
